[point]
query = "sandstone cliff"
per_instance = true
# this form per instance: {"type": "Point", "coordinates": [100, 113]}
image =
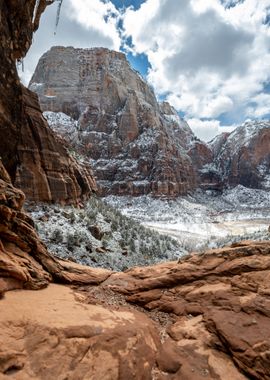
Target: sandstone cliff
{"type": "Point", "coordinates": [36, 161]}
{"type": "Point", "coordinates": [136, 145]}
{"type": "Point", "coordinates": [244, 157]}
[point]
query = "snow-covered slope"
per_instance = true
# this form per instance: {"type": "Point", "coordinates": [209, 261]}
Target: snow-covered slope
{"type": "Point", "coordinates": [101, 236]}
{"type": "Point", "coordinates": [136, 145]}
{"type": "Point", "coordinates": [63, 125]}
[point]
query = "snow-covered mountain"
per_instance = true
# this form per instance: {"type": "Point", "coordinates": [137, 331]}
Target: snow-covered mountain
{"type": "Point", "coordinates": [136, 146]}
{"type": "Point", "coordinates": [111, 115]}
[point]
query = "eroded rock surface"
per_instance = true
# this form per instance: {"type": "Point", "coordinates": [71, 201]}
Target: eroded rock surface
{"type": "Point", "coordinates": [64, 338]}
{"type": "Point", "coordinates": [218, 311]}
{"type": "Point", "coordinates": [136, 145]}
{"type": "Point", "coordinates": [108, 113]}
{"type": "Point", "coordinates": [35, 159]}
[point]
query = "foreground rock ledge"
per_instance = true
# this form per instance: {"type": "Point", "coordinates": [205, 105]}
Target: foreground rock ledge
{"type": "Point", "coordinates": [62, 338]}
{"type": "Point", "coordinates": [205, 317]}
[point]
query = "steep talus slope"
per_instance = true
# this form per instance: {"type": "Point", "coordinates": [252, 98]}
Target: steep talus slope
{"type": "Point", "coordinates": [136, 145]}
{"type": "Point", "coordinates": [241, 157]}
{"type": "Point", "coordinates": [36, 161]}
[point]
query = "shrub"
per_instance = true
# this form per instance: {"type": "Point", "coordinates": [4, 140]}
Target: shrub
{"type": "Point", "coordinates": [57, 236]}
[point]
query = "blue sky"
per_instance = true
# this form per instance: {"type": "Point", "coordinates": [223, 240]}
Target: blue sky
{"type": "Point", "coordinates": [209, 58]}
{"type": "Point", "coordinates": [127, 3]}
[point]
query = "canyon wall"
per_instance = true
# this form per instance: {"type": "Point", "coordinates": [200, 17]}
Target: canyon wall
{"type": "Point", "coordinates": [244, 155]}
{"type": "Point", "coordinates": [35, 159]}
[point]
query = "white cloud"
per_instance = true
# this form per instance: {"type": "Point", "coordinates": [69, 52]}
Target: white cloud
{"type": "Point", "coordinates": [83, 23]}
{"type": "Point", "coordinates": [207, 130]}
{"type": "Point", "coordinates": [217, 106]}
{"type": "Point", "coordinates": [96, 15]}
{"type": "Point", "coordinates": [261, 106]}
{"type": "Point", "coordinates": [211, 58]}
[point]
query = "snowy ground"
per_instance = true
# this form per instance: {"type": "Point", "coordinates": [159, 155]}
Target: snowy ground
{"type": "Point", "coordinates": [203, 220]}
{"type": "Point", "coordinates": [100, 235]}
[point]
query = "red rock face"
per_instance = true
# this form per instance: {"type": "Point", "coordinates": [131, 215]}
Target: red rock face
{"type": "Point", "coordinates": [136, 145]}
{"type": "Point", "coordinates": [46, 172]}
{"type": "Point", "coordinates": [200, 154]}
{"type": "Point", "coordinates": [206, 316]}
{"type": "Point", "coordinates": [36, 161]}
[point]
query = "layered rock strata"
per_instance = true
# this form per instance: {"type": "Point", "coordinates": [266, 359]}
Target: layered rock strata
{"type": "Point", "coordinates": [107, 112]}
{"type": "Point", "coordinates": [35, 159]}
{"type": "Point", "coordinates": [218, 311]}
{"type": "Point", "coordinates": [244, 158]}
{"type": "Point", "coordinates": [63, 337]}
{"type": "Point", "coordinates": [206, 316]}
{"type": "Point", "coordinates": [136, 145]}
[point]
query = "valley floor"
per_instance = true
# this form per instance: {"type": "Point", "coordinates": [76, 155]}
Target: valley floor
{"type": "Point", "coordinates": [201, 234]}
{"type": "Point", "coordinates": [118, 233]}
{"type": "Point", "coordinates": [203, 220]}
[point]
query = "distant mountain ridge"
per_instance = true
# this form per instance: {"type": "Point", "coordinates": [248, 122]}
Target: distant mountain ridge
{"type": "Point", "coordinates": [242, 156]}
{"type": "Point", "coordinates": [110, 115]}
